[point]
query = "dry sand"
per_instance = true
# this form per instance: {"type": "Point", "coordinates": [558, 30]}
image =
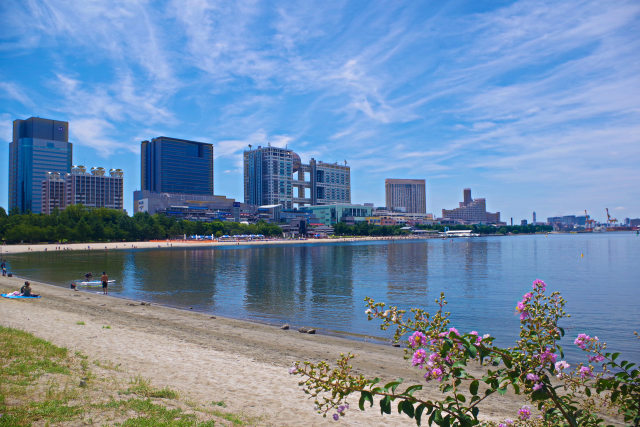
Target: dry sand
{"type": "Point", "coordinates": [210, 359]}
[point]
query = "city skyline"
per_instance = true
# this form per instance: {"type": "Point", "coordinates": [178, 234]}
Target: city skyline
{"type": "Point", "coordinates": [534, 105]}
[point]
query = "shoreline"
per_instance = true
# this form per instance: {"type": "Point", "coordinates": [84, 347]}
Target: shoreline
{"type": "Point", "coordinates": [164, 244]}
{"type": "Point", "coordinates": [210, 358]}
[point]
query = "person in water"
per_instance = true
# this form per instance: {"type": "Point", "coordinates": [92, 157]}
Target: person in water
{"type": "Point", "coordinates": [105, 282]}
{"type": "Point", "coordinates": [88, 275]}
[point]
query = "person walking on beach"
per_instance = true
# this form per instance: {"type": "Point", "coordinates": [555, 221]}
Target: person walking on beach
{"type": "Point", "coordinates": [105, 282]}
{"type": "Point", "coordinates": [4, 267]}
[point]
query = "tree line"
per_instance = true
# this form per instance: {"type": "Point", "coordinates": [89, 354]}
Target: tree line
{"type": "Point", "coordinates": [78, 223]}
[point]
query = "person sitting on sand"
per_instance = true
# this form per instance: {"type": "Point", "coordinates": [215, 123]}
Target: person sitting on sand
{"type": "Point", "coordinates": [25, 290]}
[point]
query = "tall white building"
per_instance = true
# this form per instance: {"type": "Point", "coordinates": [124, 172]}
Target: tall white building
{"type": "Point", "coordinates": [277, 176]}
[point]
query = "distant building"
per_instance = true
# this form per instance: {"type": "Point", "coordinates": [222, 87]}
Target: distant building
{"type": "Point", "coordinates": [339, 212]}
{"type": "Point", "coordinates": [567, 221]}
{"type": "Point", "coordinates": [38, 146]}
{"type": "Point", "coordinates": [471, 211]}
{"type": "Point", "coordinates": [171, 165]}
{"type": "Point", "coordinates": [192, 207]}
{"type": "Point", "coordinates": [94, 190]}
{"type": "Point", "coordinates": [534, 218]}
{"type": "Point", "coordinates": [270, 179]}
{"type": "Point", "coordinates": [406, 195]}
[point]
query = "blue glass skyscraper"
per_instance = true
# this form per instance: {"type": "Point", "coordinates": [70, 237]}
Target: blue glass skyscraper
{"type": "Point", "coordinates": [171, 165]}
{"type": "Point", "coordinates": [38, 146]}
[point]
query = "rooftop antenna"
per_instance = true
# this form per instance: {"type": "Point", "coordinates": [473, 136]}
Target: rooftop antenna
{"type": "Point", "coordinates": [345, 163]}
{"type": "Point", "coordinates": [249, 147]}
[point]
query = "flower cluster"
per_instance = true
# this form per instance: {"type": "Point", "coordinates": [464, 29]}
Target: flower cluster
{"type": "Point", "coordinates": [547, 356]}
{"type": "Point", "coordinates": [524, 413]}
{"type": "Point", "coordinates": [521, 307]}
{"type": "Point", "coordinates": [539, 285]}
{"type": "Point", "coordinates": [560, 367]}
{"type": "Point", "coordinates": [340, 410]}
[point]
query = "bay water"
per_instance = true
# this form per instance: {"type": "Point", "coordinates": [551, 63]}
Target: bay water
{"type": "Point", "coordinates": [323, 285]}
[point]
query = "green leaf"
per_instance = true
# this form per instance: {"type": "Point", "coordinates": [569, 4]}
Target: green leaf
{"type": "Point", "coordinates": [410, 390]}
{"type": "Point", "coordinates": [507, 362]}
{"type": "Point", "coordinates": [587, 391]}
{"type": "Point", "coordinates": [538, 395]}
{"type": "Point", "coordinates": [561, 331]}
{"type": "Point", "coordinates": [472, 350]}
{"type": "Point", "coordinates": [365, 396]}
{"type": "Point", "coordinates": [560, 350]}
{"type": "Point", "coordinates": [473, 387]}
{"type": "Point", "coordinates": [502, 391]}
{"type": "Point", "coordinates": [461, 398]}
{"type": "Point", "coordinates": [614, 356]}
{"type": "Point", "coordinates": [407, 408]}
{"type": "Point", "coordinates": [394, 384]}
{"type": "Point", "coordinates": [385, 405]}
{"type": "Point", "coordinates": [418, 413]}
{"type": "Point", "coordinates": [447, 389]}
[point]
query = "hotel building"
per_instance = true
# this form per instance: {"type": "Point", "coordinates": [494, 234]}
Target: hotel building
{"type": "Point", "coordinates": [471, 211]}
{"type": "Point", "coordinates": [94, 190]}
{"type": "Point", "coordinates": [406, 195]}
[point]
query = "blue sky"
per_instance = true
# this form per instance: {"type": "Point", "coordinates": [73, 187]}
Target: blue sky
{"type": "Point", "coordinates": [535, 105]}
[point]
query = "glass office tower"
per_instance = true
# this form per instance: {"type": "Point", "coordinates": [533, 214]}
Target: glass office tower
{"type": "Point", "coordinates": [171, 165]}
{"type": "Point", "coordinates": [38, 146]}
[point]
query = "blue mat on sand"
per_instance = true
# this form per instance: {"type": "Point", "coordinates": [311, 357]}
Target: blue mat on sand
{"type": "Point", "coordinates": [17, 296]}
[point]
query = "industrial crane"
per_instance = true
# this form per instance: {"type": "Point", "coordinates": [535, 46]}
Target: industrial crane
{"type": "Point", "coordinates": [589, 222]}
{"type": "Point", "coordinates": [610, 221]}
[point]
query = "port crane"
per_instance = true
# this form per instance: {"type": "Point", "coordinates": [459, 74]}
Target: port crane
{"type": "Point", "coordinates": [610, 221]}
{"type": "Point", "coordinates": [589, 222]}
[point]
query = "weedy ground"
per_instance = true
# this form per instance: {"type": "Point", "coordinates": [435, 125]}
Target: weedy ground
{"type": "Point", "coordinates": [43, 384]}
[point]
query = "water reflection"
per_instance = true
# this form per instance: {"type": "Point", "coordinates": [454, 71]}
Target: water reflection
{"type": "Point", "coordinates": [323, 285]}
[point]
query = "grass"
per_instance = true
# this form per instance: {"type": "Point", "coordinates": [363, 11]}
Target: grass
{"type": "Point", "coordinates": [43, 384]}
{"type": "Point", "coordinates": [81, 323]}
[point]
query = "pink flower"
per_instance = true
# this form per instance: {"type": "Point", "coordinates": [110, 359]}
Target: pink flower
{"type": "Point", "coordinates": [524, 413]}
{"type": "Point", "coordinates": [418, 357]}
{"type": "Point", "coordinates": [539, 285]}
{"type": "Point", "coordinates": [586, 372]}
{"type": "Point", "coordinates": [537, 386]}
{"type": "Point", "coordinates": [533, 377]}
{"type": "Point", "coordinates": [547, 356]}
{"type": "Point", "coordinates": [561, 365]}
{"type": "Point", "coordinates": [454, 330]}
{"type": "Point", "coordinates": [417, 339]}
{"type": "Point", "coordinates": [596, 358]}
{"type": "Point", "coordinates": [582, 340]}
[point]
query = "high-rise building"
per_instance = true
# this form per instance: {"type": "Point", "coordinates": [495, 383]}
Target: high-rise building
{"type": "Point", "coordinates": [171, 165]}
{"type": "Point", "coordinates": [406, 195]}
{"type": "Point", "coordinates": [270, 179]}
{"type": "Point", "coordinates": [268, 176]}
{"type": "Point", "coordinates": [95, 189]}
{"type": "Point", "coordinates": [471, 211]}
{"type": "Point", "coordinates": [38, 146]}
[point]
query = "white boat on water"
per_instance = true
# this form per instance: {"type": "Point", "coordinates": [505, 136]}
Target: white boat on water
{"type": "Point", "coordinates": [93, 282]}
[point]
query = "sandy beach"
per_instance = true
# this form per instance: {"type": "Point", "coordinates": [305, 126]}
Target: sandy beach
{"type": "Point", "coordinates": [208, 358]}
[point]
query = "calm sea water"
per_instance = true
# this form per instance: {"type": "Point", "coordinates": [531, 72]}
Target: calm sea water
{"type": "Point", "coordinates": [323, 285]}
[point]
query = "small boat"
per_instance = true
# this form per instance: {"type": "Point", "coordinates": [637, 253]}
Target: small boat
{"type": "Point", "coordinates": [93, 282]}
